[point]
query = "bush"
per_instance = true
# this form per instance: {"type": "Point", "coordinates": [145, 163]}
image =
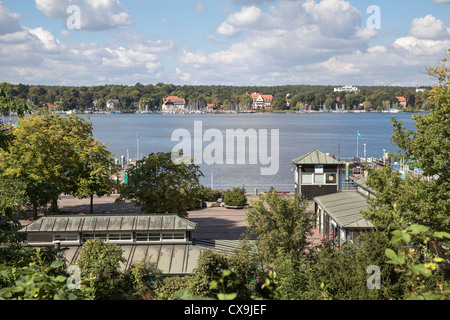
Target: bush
{"type": "Point", "coordinates": [210, 195]}
{"type": "Point", "coordinates": [235, 197]}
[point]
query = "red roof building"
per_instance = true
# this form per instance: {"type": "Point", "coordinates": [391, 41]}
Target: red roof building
{"type": "Point", "coordinates": [261, 101]}
{"type": "Point", "coordinates": [173, 104]}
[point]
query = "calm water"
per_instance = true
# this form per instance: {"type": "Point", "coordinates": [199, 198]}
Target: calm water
{"type": "Point", "coordinates": [334, 133]}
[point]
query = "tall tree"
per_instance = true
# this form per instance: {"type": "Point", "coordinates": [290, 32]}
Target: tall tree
{"type": "Point", "coordinates": [51, 155]}
{"type": "Point", "coordinates": [425, 198]}
{"type": "Point", "coordinates": [94, 174]}
{"type": "Point", "coordinates": [281, 223]}
{"type": "Point", "coordinates": [160, 185]}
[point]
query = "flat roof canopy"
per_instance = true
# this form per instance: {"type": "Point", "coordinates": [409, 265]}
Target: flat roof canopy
{"type": "Point", "coordinates": [110, 223]}
{"type": "Point", "coordinates": [345, 208]}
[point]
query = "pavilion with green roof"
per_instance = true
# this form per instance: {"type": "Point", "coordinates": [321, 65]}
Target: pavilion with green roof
{"type": "Point", "coordinates": [316, 173]}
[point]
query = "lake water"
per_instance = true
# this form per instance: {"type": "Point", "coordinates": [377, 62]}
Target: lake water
{"type": "Point", "coordinates": [299, 133]}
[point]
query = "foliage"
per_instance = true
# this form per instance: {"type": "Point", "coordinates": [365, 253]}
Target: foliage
{"type": "Point", "coordinates": [100, 262]}
{"type": "Point", "coordinates": [39, 282]}
{"type": "Point", "coordinates": [141, 280]}
{"type": "Point", "coordinates": [280, 222]}
{"type": "Point", "coordinates": [418, 262]}
{"type": "Point", "coordinates": [13, 197]}
{"type": "Point", "coordinates": [235, 197]}
{"type": "Point", "coordinates": [343, 274]}
{"type": "Point", "coordinates": [218, 275]}
{"type": "Point", "coordinates": [83, 98]}
{"type": "Point", "coordinates": [169, 287]}
{"type": "Point", "coordinates": [424, 198]}
{"type": "Point", "coordinates": [95, 172]}
{"type": "Point", "coordinates": [288, 280]}
{"type": "Point", "coordinates": [8, 101]}
{"type": "Point", "coordinates": [53, 154]}
{"type": "Point", "coordinates": [209, 195]}
{"type": "Point", "coordinates": [159, 185]}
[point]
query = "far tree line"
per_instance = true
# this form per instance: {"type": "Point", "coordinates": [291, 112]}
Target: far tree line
{"type": "Point", "coordinates": [286, 97]}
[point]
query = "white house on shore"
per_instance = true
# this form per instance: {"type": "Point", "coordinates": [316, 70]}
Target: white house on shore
{"type": "Point", "coordinates": [347, 88]}
{"type": "Point", "coordinates": [261, 101]}
{"type": "Point", "coordinates": [173, 104]}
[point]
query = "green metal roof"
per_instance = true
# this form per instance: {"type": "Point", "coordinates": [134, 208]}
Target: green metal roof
{"type": "Point", "coordinates": [345, 208]}
{"type": "Point", "coordinates": [363, 184]}
{"type": "Point", "coordinates": [104, 223]}
{"type": "Point", "coordinates": [169, 259]}
{"type": "Point", "coordinates": [315, 157]}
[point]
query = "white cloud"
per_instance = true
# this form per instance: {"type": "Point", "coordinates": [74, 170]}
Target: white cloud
{"type": "Point", "coordinates": [417, 46]}
{"type": "Point", "coordinates": [429, 27]}
{"type": "Point", "coordinates": [323, 42]}
{"type": "Point", "coordinates": [49, 42]}
{"type": "Point", "coordinates": [336, 18]}
{"type": "Point", "coordinates": [9, 21]}
{"type": "Point", "coordinates": [272, 44]}
{"type": "Point", "coordinates": [95, 15]}
{"type": "Point", "coordinates": [240, 21]}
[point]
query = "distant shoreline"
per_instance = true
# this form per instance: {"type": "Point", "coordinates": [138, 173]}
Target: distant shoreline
{"type": "Point", "coordinates": [249, 112]}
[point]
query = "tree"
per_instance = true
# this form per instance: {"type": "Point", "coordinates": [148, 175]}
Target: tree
{"type": "Point", "coordinates": [235, 197]}
{"type": "Point", "coordinates": [416, 260]}
{"type": "Point", "coordinates": [95, 170]}
{"type": "Point", "coordinates": [37, 281]}
{"type": "Point", "coordinates": [99, 261]}
{"type": "Point", "coordinates": [245, 100]}
{"type": "Point", "coordinates": [343, 274]}
{"type": "Point", "coordinates": [51, 155]}
{"type": "Point", "coordinates": [160, 185]}
{"type": "Point", "coordinates": [19, 106]}
{"type": "Point", "coordinates": [282, 223]}
{"type": "Point", "coordinates": [13, 197]}
{"type": "Point", "coordinates": [422, 199]}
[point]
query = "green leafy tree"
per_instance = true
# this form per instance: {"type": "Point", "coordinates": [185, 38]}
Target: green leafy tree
{"type": "Point", "coordinates": [280, 222]}
{"type": "Point", "coordinates": [416, 259]}
{"type": "Point", "coordinates": [54, 154]}
{"type": "Point", "coordinates": [37, 281]}
{"type": "Point", "coordinates": [423, 198]}
{"type": "Point", "coordinates": [344, 275]}
{"type": "Point", "coordinates": [160, 185]}
{"type": "Point", "coordinates": [94, 173]}
{"type": "Point", "coordinates": [13, 197]}
{"type": "Point", "coordinates": [235, 197]}
{"type": "Point", "coordinates": [100, 261]}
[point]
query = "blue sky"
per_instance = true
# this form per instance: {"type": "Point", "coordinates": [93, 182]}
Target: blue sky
{"type": "Point", "coordinates": [215, 42]}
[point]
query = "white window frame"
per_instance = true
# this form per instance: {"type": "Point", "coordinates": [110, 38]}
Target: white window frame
{"type": "Point", "coordinates": [120, 237]}
{"type": "Point", "coordinates": [162, 237]}
{"type": "Point", "coordinates": [88, 236]}
{"type": "Point", "coordinates": [313, 177]}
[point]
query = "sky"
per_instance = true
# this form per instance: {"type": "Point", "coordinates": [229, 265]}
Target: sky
{"type": "Point", "coordinates": [222, 42]}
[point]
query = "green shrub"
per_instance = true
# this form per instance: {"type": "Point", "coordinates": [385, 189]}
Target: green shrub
{"type": "Point", "coordinates": [235, 197]}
